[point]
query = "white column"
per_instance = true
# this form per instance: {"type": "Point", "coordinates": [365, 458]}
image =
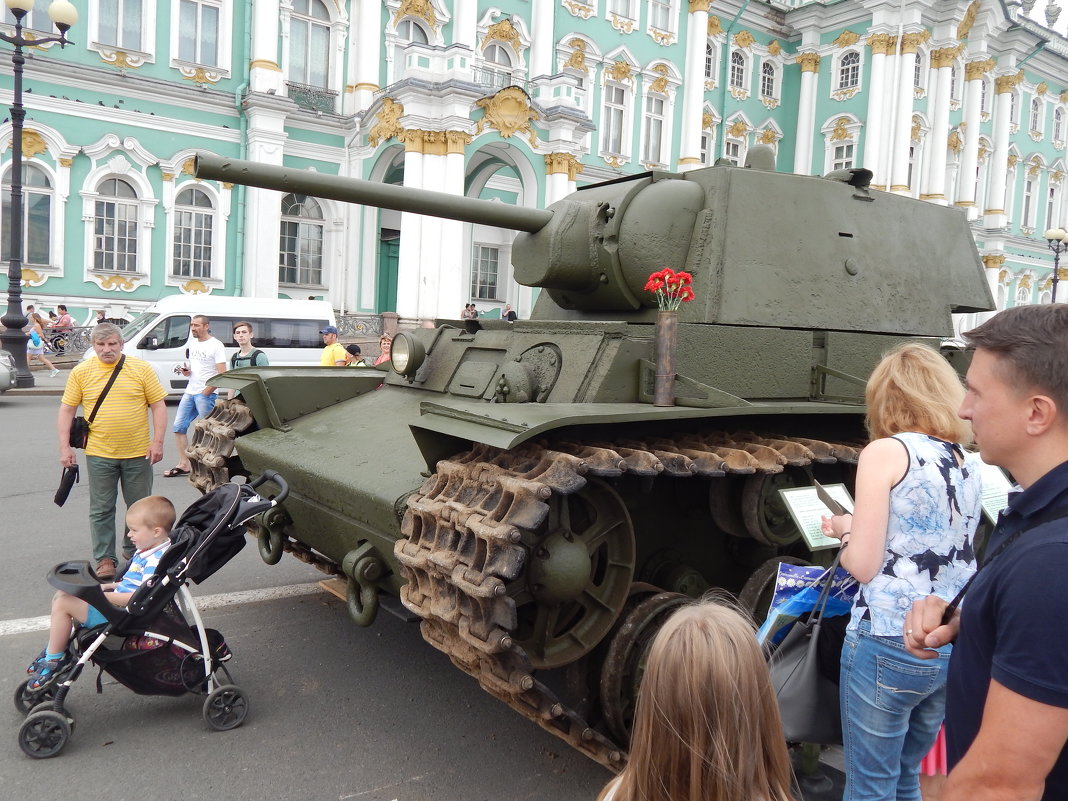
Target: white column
{"type": "Point", "coordinates": [940, 81]}
{"type": "Point", "coordinates": [693, 85]}
{"type": "Point", "coordinates": [995, 215]}
{"type": "Point", "coordinates": [465, 22]}
{"type": "Point", "coordinates": [806, 111]}
{"type": "Point", "coordinates": [874, 158]}
{"type": "Point", "coordinates": [367, 58]}
{"type": "Point", "coordinates": [561, 171]}
{"type": "Point", "coordinates": [265, 74]}
{"type": "Point", "coordinates": [542, 43]}
{"type": "Point", "coordinates": [975, 74]}
{"type": "Point", "coordinates": [451, 294]}
{"type": "Point", "coordinates": [263, 207]}
{"type": "Point", "coordinates": [432, 254]}
{"type": "Point", "coordinates": [411, 236]}
{"type": "Point", "coordinates": [902, 133]}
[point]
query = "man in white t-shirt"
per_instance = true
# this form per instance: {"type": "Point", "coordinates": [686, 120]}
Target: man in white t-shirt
{"type": "Point", "coordinates": [205, 357]}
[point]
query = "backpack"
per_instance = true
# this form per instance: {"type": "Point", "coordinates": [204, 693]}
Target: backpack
{"type": "Point", "coordinates": [252, 356]}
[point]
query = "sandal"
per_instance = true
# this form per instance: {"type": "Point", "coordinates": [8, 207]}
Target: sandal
{"type": "Point", "coordinates": [174, 472]}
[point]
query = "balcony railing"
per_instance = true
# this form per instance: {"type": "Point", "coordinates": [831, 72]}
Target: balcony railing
{"type": "Point", "coordinates": [313, 98]}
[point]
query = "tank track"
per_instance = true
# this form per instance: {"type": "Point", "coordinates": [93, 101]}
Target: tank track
{"type": "Point", "coordinates": [468, 530]}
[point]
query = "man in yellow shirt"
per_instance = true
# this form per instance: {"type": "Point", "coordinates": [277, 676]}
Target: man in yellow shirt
{"type": "Point", "coordinates": [119, 447]}
{"type": "Point", "coordinates": [334, 354]}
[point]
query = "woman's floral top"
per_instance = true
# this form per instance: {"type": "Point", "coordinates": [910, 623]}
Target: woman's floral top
{"type": "Point", "coordinates": [934, 512]}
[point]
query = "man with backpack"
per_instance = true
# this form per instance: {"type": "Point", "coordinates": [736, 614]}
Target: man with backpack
{"type": "Point", "coordinates": [246, 356]}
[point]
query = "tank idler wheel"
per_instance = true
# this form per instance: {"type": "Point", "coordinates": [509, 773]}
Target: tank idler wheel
{"type": "Point", "coordinates": [577, 578]}
{"type": "Point", "coordinates": [766, 517]}
{"type": "Point", "coordinates": [724, 502]}
{"type": "Point", "coordinates": [362, 602]}
{"type": "Point", "coordinates": [27, 699]}
{"type": "Point", "coordinates": [44, 734]}
{"type": "Point", "coordinates": [225, 707]}
{"type": "Point", "coordinates": [624, 663]}
{"type": "Point", "coordinates": [759, 588]}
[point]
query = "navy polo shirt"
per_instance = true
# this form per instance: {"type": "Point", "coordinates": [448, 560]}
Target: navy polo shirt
{"type": "Point", "coordinates": [1014, 624]}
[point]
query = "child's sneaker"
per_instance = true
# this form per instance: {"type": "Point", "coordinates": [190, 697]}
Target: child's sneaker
{"type": "Point", "coordinates": [54, 373]}
{"type": "Point", "coordinates": [46, 672]}
{"type": "Point", "coordinates": [33, 665]}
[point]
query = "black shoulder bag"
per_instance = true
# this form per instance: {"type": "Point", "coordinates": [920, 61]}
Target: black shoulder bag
{"type": "Point", "coordinates": [79, 426]}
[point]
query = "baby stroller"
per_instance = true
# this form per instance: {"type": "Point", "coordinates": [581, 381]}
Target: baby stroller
{"type": "Point", "coordinates": [157, 645]}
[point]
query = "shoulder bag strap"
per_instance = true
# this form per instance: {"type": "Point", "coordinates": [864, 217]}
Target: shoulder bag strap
{"type": "Point", "coordinates": [825, 590]}
{"type": "Point", "coordinates": [107, 387]}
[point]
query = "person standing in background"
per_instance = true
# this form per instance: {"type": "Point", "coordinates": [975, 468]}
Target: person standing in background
{"type": "Point", "coordinates": [35, 346]}
{"type": "Point", "coordinates": [206, 357]}
{"type": "Point", "coordinates": [384, 343]}
{"type": "Point", "coordinates": [334, 354]}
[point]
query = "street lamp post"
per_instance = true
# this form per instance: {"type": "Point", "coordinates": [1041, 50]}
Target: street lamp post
{"type": "Point", "coordinates": [1057, 238]}
{"type": "Point", "coordinates": [63, 16]}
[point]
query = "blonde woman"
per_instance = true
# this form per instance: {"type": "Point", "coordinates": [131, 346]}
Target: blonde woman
{"type": "Point", "coordinates": [384, 343]}
{"type": "Point", "coordinates": [35, 346]}
{"type": "Point", "coordinates": [911, 535]}
{"type": "Point", "coordinates": [706, 724]}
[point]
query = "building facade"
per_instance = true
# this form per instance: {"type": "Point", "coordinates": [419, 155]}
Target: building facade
{"type": "Point", "coordinates": [521, 101]}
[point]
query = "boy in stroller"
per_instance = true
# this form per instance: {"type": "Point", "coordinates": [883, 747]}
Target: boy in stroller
{"type": "Point", "coordinates": [150, 521]}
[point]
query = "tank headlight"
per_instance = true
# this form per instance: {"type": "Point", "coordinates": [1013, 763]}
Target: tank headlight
{"type": "Point", "coordinates": [406, 355]}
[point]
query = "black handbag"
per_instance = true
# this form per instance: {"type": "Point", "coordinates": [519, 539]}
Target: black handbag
{"type": "Point", "coordinates": [79, 426]}
{"type": "Point", "coordinates": [808, 699]}
{"type": "Point", "coordinates": [67, 480]}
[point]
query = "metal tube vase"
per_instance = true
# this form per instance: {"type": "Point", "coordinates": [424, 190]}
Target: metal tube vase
{"type": "Point", "coordinates": [667, 334]}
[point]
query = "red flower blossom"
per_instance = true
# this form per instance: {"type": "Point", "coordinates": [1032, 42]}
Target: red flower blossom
{"type": "Point", "coordinates": [671, 288]}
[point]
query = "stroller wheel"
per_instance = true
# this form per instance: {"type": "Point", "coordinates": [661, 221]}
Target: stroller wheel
{"type": "Point", "coordinates": [44, 734]}
{"type": "Point", "coordinates": [226, 707]}
{"type": "Point", "coordinates": [26, 699]}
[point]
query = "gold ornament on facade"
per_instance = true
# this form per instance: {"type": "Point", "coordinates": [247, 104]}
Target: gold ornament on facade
{"type": "Point", "coordinates": [31, 277]}
{"type": "Point", "coordinates": [774, 48]}
{"type": "Point", "coordinates": [168, 176]}
{"type": "Point", "coordinates": [116, 282]}
{"type": "Point", "coordinates": [810, 62]}
{"type": "Point", "coordinates": [1003, 275]}
{"type": "Point", "coordinates": [622, 24]}
{"type": "Point", "coordinates": [613, 161]}
{"type": "Point", "coordinates": [194, 287]}
{"type": "Point", "coordinates": [744, 39]}
{"type": "Point", "coordinates": [33, 144]}
{"type": "Point", "coordinates": [1041, 89]}
{"type": "Point", "coordinates": [975, 70]}
{"type": "Point", "coordinates": [769, 102]}
{"type": "Point", "coordinates": [387, 122]}
{"type": "Point", "coordinates": [121, 59]}
{"type": "Point", "coordinates": [1012, 160]}
{"type": "Point", "coordinates": [1025, 281]}
{"type": "Point", "coordinates": [503, 31]}
{"type": "Point", "coordinates": [1056, 176]}
{"type": "Point", "coordinates": [840, 131]}
{"type": "Point", "coordinates": [700, 5]}
{"type": "Point", "coordinates": [739, 94]}
{"type": "Point", "coordinates": [917, 124]}
{"type": "Point", "coordinates": [967, 20]}
{"type": "Point", "coordinates": [954, 142]}
{"type": "Point", "coordinates": [845, 94]}
{"type": "Point", "coordinates": [944, 57]}
{"type": "Point", "coordinates": [910, 42]}
{"type": "Point", "coordinates": [456, 141]}
{"type": "Point", "coordinates": [663, 38]}
{"type": "Point", "coordinates": [579, 9]}
{"type": "Point", "coordinates": [707, 121]}
{"type": "Point", "coordinates": [1006, 83]}
{"type": "Point", "coordinates": [1033, 168]}
{"type": "Point", "coordinates": [188, 166]}
{"type": "Point", "coordinates": [738, 129]}
{"type": "Point", "coordinates": [1064, 96]}
{"type": "Point", "coordinates": [510, 113]}
{"type": "Point", "coordinates": [620, 71]}
{"type": "Point", "coordinates": [577, 61]}
{"type": "Point", "coordinates": [227, 185]}
{"type": "Point", "coordinates": [660, 85]}
{"type": "Point", "coordinates": [199, 75]}
{"type": "Point", "coordinates": [982, 154]}
{"type": "Point", "coordinates": [417, 8]}
{"type": "Point", "coordinates": [846, 39]}
{"type": "Point", "coordinates": [768, 137]}
{"type": "Point", "coordinates": [65, 163]}
{"type": "Point", "coordinates": [879, 43]}
{"type": "Point", "coordinates": [557, 163]}
{"type": "Point", "coordinates": [715, 27]}
{"type": "Point", "coordinates": [994, 261]}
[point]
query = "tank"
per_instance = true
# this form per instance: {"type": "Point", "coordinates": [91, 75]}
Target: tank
{"type": "Point", "coordinates": [516, 486]}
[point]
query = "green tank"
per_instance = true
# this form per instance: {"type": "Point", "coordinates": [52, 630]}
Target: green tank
{"type": "Point", "coordinates": [516, 486]}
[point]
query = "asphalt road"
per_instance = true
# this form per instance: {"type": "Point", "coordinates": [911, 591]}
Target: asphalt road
{"type": "Point", "coordinates": [336, 711]}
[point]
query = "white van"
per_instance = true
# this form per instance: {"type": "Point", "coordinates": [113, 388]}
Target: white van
{"type": "Point", "coordinates": [286, 330]}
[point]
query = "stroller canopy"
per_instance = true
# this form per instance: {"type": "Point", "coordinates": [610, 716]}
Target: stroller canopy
{"type": "Point", "coordinates": [207, 535]}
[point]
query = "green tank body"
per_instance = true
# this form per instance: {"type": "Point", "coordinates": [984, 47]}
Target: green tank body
{"type": "Point", "coordinates": [522, 488]}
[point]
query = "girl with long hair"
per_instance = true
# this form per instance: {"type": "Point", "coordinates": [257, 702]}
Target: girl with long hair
{"type": "Point", "coordinates": [911, 535]}
{"type": "Point", "coordinates": [706, 723]}
{"type": "Point", "coordinates": [35, 347]}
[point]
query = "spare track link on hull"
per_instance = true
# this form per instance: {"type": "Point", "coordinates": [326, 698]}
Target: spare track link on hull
{"type": "Point", "coordinates": [467, 532]}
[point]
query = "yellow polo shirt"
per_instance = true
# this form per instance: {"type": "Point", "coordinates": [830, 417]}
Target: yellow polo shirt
{"type": "Point", "coordinates": [333, 353]}
{"type": "Point", "coordinates": [120, 429]}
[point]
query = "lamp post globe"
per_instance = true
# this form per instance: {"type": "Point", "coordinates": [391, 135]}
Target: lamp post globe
{"type": "Point", "coordinates": [63, 16]}
{"type": "Point", "coordinates": [1057, 239]}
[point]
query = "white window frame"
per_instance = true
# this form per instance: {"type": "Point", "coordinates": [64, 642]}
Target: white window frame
{"type": "Point", "coordinates": [136, 56]}
{"type": "Point", "coordinates": [218, 232]}
{"type": "Point", "coordinates": [1053, 203]}
{"type": "Point", "coordinates": [338, 27]}
{"type": "Point", "coordinates": [318, 222]}
{"type": "Point", "coordinates": [855, 71]}
{"type": "Point", "coordinates": [225, 37]}
{"type": "Point", "coordinates": [661, 8]}
{"type": "Point", "coordinates": [54, 206]}
{"type": "Point", "coordinates": [654, 124]}
{"type": "Point", "coordinates": [624, 9]}
{"type": "Point", "coordinates": [853, 127]}
{"type": "Point", "coordinates": [499, 74]}
{"type": "Point", "coordinates": [764, 67]}
{"type": "Point", "coordinates": [711, 60]}
{"type": "Point", "coordinates": [738, 71]}
{"type": "Point", "coordinates": [734, 150]}
{"type": "Point", "coordinates": [919, 71]}
{"type": "Point", "coordinates": [1037, 116]}
{"type": "Point", "coordinates": [1058, 126]}
{"type": "Point", "coordinates": [476, 273]}
{"type": "Point", "coordinates": [843, 155]}
{"type": "Point", "coordinates": [625, 115]}
{"type": "Point", "coordinates": [130, 215]}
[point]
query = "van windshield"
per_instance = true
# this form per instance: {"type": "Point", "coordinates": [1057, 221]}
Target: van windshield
{"type": "Point", "coordinates": [139, 324]}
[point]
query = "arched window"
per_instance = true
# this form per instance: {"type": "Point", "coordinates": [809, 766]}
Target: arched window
{"type": "Point", "coordinates": [917, 72]}
{"type": "Point", "coordinates": [1027, 211]}
{"type": "Point", "coordinates": [849, 70]}
{"type": "Point", "coordinates": [194, 234]}
{"type": "Point", "coordinates": [408, 32]}
{"type": "Point", "coordinates": [309, 43]}
{"type": "Point", "coordinates": [498, 69]}
{"type": "Point", "coordinates": [1023, 296]}
{"type": "Point", "coordinates": [710, 62]}
{"type": "Point", "coordinates": [1036, 114]}
{"type": "Point", "coordinates": [1058, 125]}
{"type": "Point", "coordinates": [1052, 201]}
{"type": "Point", "coordinates": [300, 258]}
{"type": "Point", "coordinates": [767, 79]}
{"type": "Point", "coordinates": [115, 227]}
{"type": "Point", "coordinates": [737, 70]}
{"type": "Point", "coordinates": [36, 217]}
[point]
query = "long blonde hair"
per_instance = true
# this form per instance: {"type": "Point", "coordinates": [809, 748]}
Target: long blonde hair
{"type": "Point", "coordinates": [706, 724]}
{"type": "Point", "coordinates": [914, 388]}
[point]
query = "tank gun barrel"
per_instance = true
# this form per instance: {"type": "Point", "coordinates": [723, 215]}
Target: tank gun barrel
{"type": "Point", "coordinates": [370, 193]}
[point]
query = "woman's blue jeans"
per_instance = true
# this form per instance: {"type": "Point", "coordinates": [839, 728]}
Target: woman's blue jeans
{"type": "Point", "coordinates": [892, 706]}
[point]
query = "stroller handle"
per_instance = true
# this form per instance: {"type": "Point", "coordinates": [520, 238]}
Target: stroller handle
{"type": "Point", "coordinates": [272, 475]}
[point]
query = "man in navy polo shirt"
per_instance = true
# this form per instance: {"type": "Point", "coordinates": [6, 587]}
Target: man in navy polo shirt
{"type": "Point", "coordinates": [1007, 692]}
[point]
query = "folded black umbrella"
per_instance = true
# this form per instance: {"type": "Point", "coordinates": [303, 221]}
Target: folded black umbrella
{"type": "Point", "coordinates": [66, 481]}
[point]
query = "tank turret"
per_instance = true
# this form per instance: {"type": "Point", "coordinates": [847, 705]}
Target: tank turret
{"type": "Point", "coordinates": [515, 484]}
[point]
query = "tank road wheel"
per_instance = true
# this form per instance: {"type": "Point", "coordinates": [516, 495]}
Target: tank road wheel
{"type": "Point", "coordinates": [724, 502]}
{"type": "Point", "coordinates": [225, 707]}
{"type": "Point", "coordinates": [765, 514]}
{"type": "Point", "coordinates": [624, 663]}
{"type": "Point", "coordinates": [759, 588]}
{"type": "Point", "coordinates": [44, 734]}
{"type": "Point", "coordinates": [578, 576]}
